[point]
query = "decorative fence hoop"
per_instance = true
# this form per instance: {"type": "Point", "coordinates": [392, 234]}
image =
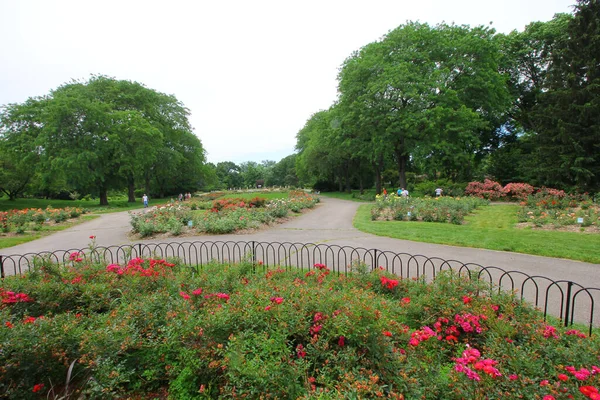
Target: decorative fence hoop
{"type": "Point", "coordinates": [566, 300]}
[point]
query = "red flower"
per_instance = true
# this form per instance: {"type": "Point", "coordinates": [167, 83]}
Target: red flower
{"type": "Point", "coordinates": [300, 351]}
{"type": "Point", "coordinates": [93, 237]}
{"type": "Point", "coordinates": [38, 387]}
{"type": "Point", "coordinates": [405, 300]}
{"type": "Point", "coordinates": [341, 341]}
{"type": "Point", "coordinates": [29, 320]}
{"type": "Point", "coordinates": [277, 300]}
{"type": "Point", "coordinates": [563, 377]}
{"type": "Point", "coordinates": [544, 382]}
{"type": "Point", "coordinates": [389, 283]}
{"type": "Point", "coordinates": [387, 333]}
{"type": "Point", "coordinates": [315, 329]}
{"type": "Point", "coordinates": [8, 325]}
{"type": "Point", "coordinates": [223, 296]}
{"type": "Point", "coordinates": [548, 397]}
{"type": "Point", "coordinates": [267, 308]}
{"type": "Point", "coordinates": [466, 299]}
{"type": "Point", "coordinates": [588, 391]}
{"type": "Point", "coordinates": [197, 292]}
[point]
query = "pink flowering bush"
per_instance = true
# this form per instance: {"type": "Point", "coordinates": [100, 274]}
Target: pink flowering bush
{"type": "Point", "coordinates": [151, 328]}
{"type": "Point", "coordinates": [518, 191]}
{"type": "Point", "coordinates": [488, 189]}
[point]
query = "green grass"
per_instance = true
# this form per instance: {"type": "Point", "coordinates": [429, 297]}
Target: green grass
{"type": "Point", "coordinates": [114, 205]}
{"type": "Point", "coordinates": [490, 228]}
{"type": "Point", "coordinates": [45, 231]}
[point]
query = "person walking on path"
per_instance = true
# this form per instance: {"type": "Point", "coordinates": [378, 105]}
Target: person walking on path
{"type": "Point", "coordinates": [145, 200]}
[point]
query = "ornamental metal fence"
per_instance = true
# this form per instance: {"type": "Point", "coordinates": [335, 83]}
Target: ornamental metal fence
{"type": "Point", "coordinates": [567, 300]}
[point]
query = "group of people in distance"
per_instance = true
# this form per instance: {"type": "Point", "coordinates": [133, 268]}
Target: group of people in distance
{"type": "Point", "coordinates": [184, 197]}
{"type": "Point", "coordinates": [404, 193]}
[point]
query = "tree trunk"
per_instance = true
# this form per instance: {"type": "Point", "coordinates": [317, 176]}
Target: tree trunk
{"type": "Point", "coordinates": [147, 183]}
{"type": "Point", "coordinates": [360, 184]}
{"type": "Point", "coordinates": [103, 196]}
{"type": "Point", "coordinates": [378, 166]}
{"type": "Point", "coordinates": [131, 189]}
{"type": "Point", "coordinates": [347, 178]}
{"type": "Point", "coordinates": [401, 160]}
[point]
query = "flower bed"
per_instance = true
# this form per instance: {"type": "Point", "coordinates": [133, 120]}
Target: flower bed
{"type": "Point", "coordinates": [153, 327]}
{"type": "Point", "coordinates": [552, 208]}
{"type": "Point", "coordinates": [440, 209]}
{"type": "Point", "coordinates": [32, 219]}
{"type": "Point", "coordinates": [219, 216]}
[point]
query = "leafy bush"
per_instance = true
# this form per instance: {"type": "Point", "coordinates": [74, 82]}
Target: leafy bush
{"type": "Point", "coordinates": [519, 191]}
{"type": "Point", "coordinates": [427, 188]}
{"type": "Point", "coordinates": [33, 218]}
{"type": "Point", "coordinates": [489, 190]}
{"type": "Point", "coordinates": [151, 326]}
{"type": "Point", "coordinates": [440, 209]}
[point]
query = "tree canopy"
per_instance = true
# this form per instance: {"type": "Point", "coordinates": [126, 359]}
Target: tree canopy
{"type": "Point", "coordinates": [460, 103]}
{"type": "Point", "coordinates": [100, 135]}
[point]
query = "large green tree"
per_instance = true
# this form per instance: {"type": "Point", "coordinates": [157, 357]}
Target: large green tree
{"type": "Point", "coordinates": [19, 155]}
{"type": "Point", "coordinates": [567, 115]}
{"type": "Point", "coordinates": [107, 134]}
{"type": "Point", "coordinates": [433, 92]}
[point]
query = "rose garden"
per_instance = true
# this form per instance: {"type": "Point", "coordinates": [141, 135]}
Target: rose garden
{"type": "Point", "coordinates": [156, 328]}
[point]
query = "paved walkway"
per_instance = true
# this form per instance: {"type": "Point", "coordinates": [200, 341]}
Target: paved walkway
{"type": "Point", "coordinates": [331, 223]}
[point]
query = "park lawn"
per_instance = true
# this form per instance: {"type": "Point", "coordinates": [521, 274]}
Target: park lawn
{"type": "Point", "coordinates": [9, 241]}
{"type": "Point", "coordinates": [491, 228]}
{"type": "Point", "coordinates": [114, 205]}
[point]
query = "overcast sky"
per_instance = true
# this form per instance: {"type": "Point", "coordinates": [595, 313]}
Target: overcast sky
{"type": "Point", "coordinates": [251, 72]}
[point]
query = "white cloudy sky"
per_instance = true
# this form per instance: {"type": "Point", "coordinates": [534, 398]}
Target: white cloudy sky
{"type": "Point", "coordinates": [251, 72]}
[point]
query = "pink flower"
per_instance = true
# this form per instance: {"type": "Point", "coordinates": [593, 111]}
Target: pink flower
{"type": "Point", "coordinates": [267, 308]}
{"type": "Point", "coordinates": [73, 256]}
{"type": "Point", "coordinates": [300, 351]}
{"type": "Point", "coordinates": [223, 296]}
{"type": "Point", "coordinates": [548, 397]}
{"type": "Point", "coordinates": [277, 300]}
{"type": "Point", "coordinates": [513, 377]}
{"type": "Point", "coordinates": [184, 295]}
{"type": "Point", "coordinates": [466, 299]}
{"type": "Point", "coordinates": [544, 382]}
{"type": "Point", "coordinates": [341, 341]}
{"type": "Point", "coordinates": [197, 292]}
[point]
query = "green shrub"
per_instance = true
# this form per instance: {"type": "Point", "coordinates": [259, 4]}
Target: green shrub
{"type": "Point", "coordinates": [149, 326]}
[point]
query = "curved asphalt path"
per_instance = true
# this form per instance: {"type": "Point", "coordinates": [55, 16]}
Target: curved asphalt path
{"type": "Point", "coordinates": [330, 223]}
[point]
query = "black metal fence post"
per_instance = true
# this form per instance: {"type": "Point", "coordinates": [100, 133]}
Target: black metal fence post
{"type": "Point", "coordinates": [374, 266]}
{"type": "Point", "coordinates": [568, 302]}
{"type": "Point", "coordinates": [139, 250]}
{"type": "Point", "coordinates": [1, 266]}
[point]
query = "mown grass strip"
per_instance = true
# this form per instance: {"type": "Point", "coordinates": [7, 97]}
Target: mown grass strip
{"type": "Point", "coordinates": [491, 228]}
